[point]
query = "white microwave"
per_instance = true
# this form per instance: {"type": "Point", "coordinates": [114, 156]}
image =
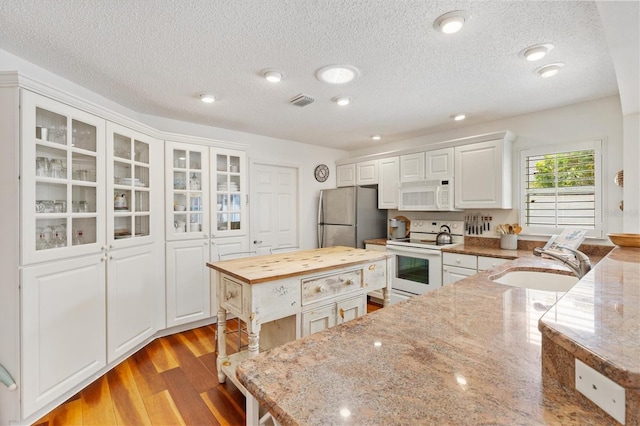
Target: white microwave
{"type": "Point", "coordinates": [427, 195]}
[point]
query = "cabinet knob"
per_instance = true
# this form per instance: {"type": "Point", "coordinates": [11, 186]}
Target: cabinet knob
{"type": "Point", "coordinates": [348, 282]}
{"type": "Point", "coordinates": [257, 241]}
{"type": "Point", "coordinates": [458, 261]}
{"type": "Point", "coordinates": [205, 243]}
{"type": "Point", "coordinates": [321, 289]}
{"type": "Point", "coordinates": [341, 313]}
{"type": "Point", "coordinates": [230, 295]}
{"type": "Point", "coordinates": [103, 258]}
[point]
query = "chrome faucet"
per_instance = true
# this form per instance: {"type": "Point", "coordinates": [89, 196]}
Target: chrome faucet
{"type": "Point", "coordinates": [580, 267]}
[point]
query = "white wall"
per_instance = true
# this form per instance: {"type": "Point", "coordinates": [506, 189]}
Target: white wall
{"type": "Point", "coordinates": [601, 118]}
{"type": "Point", "coordinates": [267, 149]}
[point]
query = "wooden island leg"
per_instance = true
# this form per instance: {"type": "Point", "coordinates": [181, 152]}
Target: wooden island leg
{"type": "Point", "coordinates": [221, 333]}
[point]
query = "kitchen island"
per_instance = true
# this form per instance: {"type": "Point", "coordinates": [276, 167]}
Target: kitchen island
{"type": "Point", "coordinates": [283, 297]}
{"type": "Point", "coordinates": [468, 353]}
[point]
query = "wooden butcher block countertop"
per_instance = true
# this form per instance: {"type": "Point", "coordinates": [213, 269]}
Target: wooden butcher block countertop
{"type": "Point", "coordinates": [259, 269]}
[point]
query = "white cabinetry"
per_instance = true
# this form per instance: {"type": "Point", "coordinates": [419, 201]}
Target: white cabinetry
{"type": "Point", "coordinates": [412, 167]}
{"type": "Point", "coordinates": [346, 175]}
{"type": "Point", "coordinates": [388, 179]}
{"type": "Point", "coordinates": [63, 328]}
{"type": "Point", "coordinates": [457, 266]}
{"type": "Point", "coordinates": [439, 164]}
{"type": "Point", "coordinates": [104, 293]}
{"type": "Point", "coordinates": [367, 172]}
{"type": "Point", "coordinates": [326, 316]}
{"type": "Point", "coordinates": [483, 175]}
{"type": "Point", "coordinates": [205, 220]}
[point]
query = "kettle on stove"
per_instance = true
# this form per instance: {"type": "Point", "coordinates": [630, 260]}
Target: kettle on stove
{"type": "Point", "coordinates": [444, 237]}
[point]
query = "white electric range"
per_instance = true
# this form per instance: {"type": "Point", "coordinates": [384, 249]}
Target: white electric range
{"type": "Point", "coordinates": [417, 260]}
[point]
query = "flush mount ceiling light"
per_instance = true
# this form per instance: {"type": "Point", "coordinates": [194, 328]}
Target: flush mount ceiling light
{"type": "Point", "coordinates": [207, 98]}
{"type": "Point", "coordinates": [451, 22]}
{"type": "Point", "coordinates": [535, 52]}
{"type": "Point", "coordinates": [342, 100]}
{"type": "Point", "coordinates": [376, 137]}
{"type": "Point", "coordinates": [549, 70]}
{"type": "Point", "coordinates": [272, 75]}
{"type": "Point", "coordinates": [459, 117]}
{"type": "Point", "coordinates": [337, 74]}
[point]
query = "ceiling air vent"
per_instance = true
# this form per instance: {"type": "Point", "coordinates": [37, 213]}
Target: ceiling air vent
{"type": "Point", "coordinates": [301, 100]}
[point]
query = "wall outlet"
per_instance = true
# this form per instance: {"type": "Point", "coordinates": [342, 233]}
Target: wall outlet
{"type": "Point", "coordinates": [604, 392]}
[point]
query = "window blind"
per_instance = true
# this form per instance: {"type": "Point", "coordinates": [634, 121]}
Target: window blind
{"type": "Point", "coordinates": [560, 189]}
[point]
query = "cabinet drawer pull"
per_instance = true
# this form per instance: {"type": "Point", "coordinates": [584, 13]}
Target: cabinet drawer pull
{"type": "Point", "coordinates": [231, 294]}
{"type": "Point", "coordinates": [348, 282]}
{"type": "Point", "coordinates": [341, 313]}
{"type": "Point", "coordinates": [321, 289]}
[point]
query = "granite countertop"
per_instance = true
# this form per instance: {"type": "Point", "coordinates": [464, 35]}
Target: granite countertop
{"type": "Point", "coordinates": [259, 269]}
{"type": "Point", "coordinates": [468, 353]}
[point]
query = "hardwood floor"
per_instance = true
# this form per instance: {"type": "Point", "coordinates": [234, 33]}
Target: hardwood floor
{"type": "Point", "coordinates": [171, 381]}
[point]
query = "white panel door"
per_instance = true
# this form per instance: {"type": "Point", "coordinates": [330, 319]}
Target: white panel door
{"type": "Point", "coordinates": [412, 167]}
{"type": "Point", "coordinates": [388, 181]}
{"type": "Point", "coordinates": [133, 284]}
{"type": "Point", "coordinates": [346, 175]}
{"type": "Point", "coordinates": [188, 286]}
{"type": "Point", "coordinates": [351, 308]}
{"type": "Point", "coordinates": [274, 214]}
{"type": "Point", "coordinates": [317, 320]}
{"type": "Point", "coordinates": [367, 172]}
{"type": "Point", "coordinates": [63, 328]}
{"type": "Point", "coordinates": [439, 164]}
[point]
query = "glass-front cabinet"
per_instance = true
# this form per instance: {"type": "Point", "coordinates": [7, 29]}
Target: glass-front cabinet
{"type": "Point", "coordinates": [205, 191]}
{"type": "Point", "coordinates": [229, 187]}
{"type": "Point", "coordinates": [131, 182]}
{"type": "Point", "coordinates": [187, 191]}
{"type": "Point", "coordinates": [62, 180]}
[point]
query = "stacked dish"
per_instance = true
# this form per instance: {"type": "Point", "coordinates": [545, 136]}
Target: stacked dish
{"type": "Point", "coordinates": [231, 187]}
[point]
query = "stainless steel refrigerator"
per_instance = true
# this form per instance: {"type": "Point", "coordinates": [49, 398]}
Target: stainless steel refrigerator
{"type": "Point", "coordinates": [348, 216]}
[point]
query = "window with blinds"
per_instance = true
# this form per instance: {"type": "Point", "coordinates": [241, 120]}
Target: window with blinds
{"type": "Point", "coordinates": [561, 189]}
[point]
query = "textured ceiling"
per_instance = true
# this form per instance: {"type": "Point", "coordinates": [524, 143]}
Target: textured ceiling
{"type": "Point", "coordinates": [156, 56]}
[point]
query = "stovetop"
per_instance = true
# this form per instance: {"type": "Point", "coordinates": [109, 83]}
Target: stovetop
{"type": "Point", "coordinates": [424, 232]}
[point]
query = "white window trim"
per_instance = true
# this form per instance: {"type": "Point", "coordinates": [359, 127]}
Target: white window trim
{"type": "Point", "coordinates": [597, 146]}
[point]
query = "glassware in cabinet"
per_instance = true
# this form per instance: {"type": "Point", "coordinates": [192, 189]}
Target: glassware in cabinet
{"type": "Point", "coordinates": [59, 178]}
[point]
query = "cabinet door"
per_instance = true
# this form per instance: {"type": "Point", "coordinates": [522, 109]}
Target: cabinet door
{"type": "Point", "coordinates": [367, 173]}
{"type": "Point", "coordinates": [388, 180]}
{"type": "Point", "coordinates": [187, 191]}
{"type": "Point", "coordinates": [319, 319]}
{"type": "Point", "coordinates": [62, 180]}
{"type": "Point", "coordinates": [63, 328]}
{"type": "Point", "coordinates": [485, 263]}
{"type": "Point", "coordinates": [135, 190]}
{"type": "Point", "coordinates": [412, 167]}
{"type": "Point", "coordinates": [134, 293]}
{"type": "Point", "coordinates": [351, 308]}
{"type": "Point", "coordinates": [346, 175]}
{"type": "Point", "coordinates": [483, 175]}
{"type": "Point", "coordinates": [451, 274]}
{"type": "Point", "coordinates": [439, 164]}
{"type": "Point", "coordinates": [229, 184]}
{"type": "Point", "coordinates": [188, 287]}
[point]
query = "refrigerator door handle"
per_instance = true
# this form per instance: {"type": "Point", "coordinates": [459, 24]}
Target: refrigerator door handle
{"type": "Point", "coordinates": [320, 242]}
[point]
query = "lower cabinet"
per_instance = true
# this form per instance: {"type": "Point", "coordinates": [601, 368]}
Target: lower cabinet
{"type": "Point", "coordinates": [189, 295]}
{"type": "Point", "coordinates": [63, 328]}
{"type": "Point", "coordinates": [451, 274]}
{"type": "Point", "coordinates": [456, 267]}
{"type": "Point", "coordinates": [326, 316]}
{"type": "Point", "coordinates": [135, 293]}
{"type": "Point", "coordinates": [188, 286]}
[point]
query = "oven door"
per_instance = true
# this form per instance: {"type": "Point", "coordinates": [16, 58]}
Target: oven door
{"type": "Point", "coordinates": [416, 270]}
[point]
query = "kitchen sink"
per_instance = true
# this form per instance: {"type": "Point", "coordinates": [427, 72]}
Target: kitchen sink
{"type": "Point", "coordinates": [538, 280]}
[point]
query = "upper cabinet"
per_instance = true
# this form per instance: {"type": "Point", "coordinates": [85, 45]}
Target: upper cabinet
{"type": "Point", "coordinates": [367, 172]}
{"type": "Point", "coordinates": [229, 186]}
{"type": "Point", "coordinates": [439, 164]}
{"type": "Point", "coordinates": [388, 175]}
{"type": "Point", "coordinates": [346, 175]}
{"type": "Point", "coordinates": [62, 180]}
{"type": "Point", "coordinates": [483, 175]}
{"type": "Point", "coordinates": [412, 167]}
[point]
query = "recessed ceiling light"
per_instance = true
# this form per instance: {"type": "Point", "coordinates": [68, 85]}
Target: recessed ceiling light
{"type": "Point", "coordinates": [337, 74]}
{"type": "Point", "coordinates": [272, 75]}
{"type": "Point", "coordinates": [207, 98]}
{"type": "Point", "coordinates": [535, 52]}
{"type": "Point", "coordinates": [451, 22]}
{"type": "Point", "coordinates": [549, 70]}
{"type": "Point", "coordinates": [459, 117]}
{"type": "Point", "coordinates": [376, 137]}
{"type": "Point", "coordinates": [342, 100]}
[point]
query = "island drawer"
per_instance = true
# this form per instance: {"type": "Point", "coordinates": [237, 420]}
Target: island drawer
{"type": "Point", "coordinates": [328, 286]}
{"type": "Point", "coordinates": [231, 295]}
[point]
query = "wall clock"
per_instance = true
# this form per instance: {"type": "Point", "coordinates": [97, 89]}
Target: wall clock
{"type": "Point", "coordinates": [322, 173]}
